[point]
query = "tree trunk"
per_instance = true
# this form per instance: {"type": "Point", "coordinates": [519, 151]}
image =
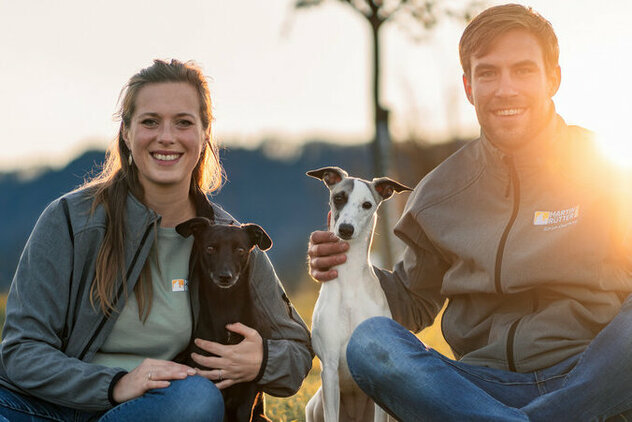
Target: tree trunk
{"type": "Point", "coordinates": [381, 146]}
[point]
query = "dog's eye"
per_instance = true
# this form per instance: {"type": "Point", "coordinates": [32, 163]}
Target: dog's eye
{"type": "Point", "coordinates": [339, 199]}
{"type": "Point", "coordinates": [240, 251]}
{"type": "Point", "coordinates": [210, 249]}
{"type": "Point", "coordinates": [367, 205]}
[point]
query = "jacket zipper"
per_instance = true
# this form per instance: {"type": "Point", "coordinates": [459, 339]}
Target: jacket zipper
{"type": "Point", "coordinates": [119, 294]}
{"type": "Point", "coordinates": [192, 264]}
{"type": "Point", "coordinates": [505, 235]}
{"type": "Point", "coordinates": [515, 182]}
{"type": "Point", "coordinates": [510, 346]}
{"type": "Point", "coordinates": [511, 335]}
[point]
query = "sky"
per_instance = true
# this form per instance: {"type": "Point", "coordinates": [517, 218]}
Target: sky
{"type": "Point", "coordinates": [278, 73]}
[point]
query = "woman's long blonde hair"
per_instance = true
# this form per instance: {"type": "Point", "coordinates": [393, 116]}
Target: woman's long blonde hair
{"type": "Point", "coordinates": [118, 177]}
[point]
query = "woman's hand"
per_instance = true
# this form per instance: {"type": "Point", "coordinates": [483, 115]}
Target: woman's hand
{"type": "Point", "coordinates": [150, 374]}
{"type": "Point", "coordinates": [233, 363]}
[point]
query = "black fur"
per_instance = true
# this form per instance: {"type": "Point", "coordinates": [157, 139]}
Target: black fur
{"type": "Point", "coordinates": [220, 259]}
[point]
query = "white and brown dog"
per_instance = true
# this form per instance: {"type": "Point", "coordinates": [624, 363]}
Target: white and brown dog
{"type": "Point", "coordinates": [354, 296]}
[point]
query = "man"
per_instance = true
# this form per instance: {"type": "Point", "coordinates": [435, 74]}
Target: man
{"type": "Point", "coordinates": [526, 232]}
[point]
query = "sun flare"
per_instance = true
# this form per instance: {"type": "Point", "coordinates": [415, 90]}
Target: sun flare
{"type": "Point", "coordinates": [617, 148]}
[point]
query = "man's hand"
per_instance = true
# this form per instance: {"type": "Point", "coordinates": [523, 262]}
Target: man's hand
{"type": "Point", "coordinates": [233, 363]}
{"type": "Point", "coordinates": [150, 374]}
{"type": "Point", "coordinates": [325, 251]}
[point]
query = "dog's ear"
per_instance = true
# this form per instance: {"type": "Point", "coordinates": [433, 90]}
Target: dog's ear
{"type": "Point", "coordinates": [193, 226]}
{"type": "Point", "coordinates": [258, 236]}
{"type": "Point", "coordinates": [385, 187]}
{"type": "Point", "coordinates": [329, 175]}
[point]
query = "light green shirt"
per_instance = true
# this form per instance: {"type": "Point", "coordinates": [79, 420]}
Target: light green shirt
{"type": "Point", "coordinates": [167, 330]}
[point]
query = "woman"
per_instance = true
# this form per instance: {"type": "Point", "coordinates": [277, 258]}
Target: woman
{"type": "Point", "coordinates": [96, 312]}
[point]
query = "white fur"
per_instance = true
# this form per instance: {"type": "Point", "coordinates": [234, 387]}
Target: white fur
{"type": "Point", "coordinates": [342, 305]}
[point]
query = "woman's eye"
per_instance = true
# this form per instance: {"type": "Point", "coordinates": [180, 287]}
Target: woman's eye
{"type": "Point", "coordinates": [149, 122]}
{"type": "Point", "coordinates": [185, 123]}
{"type": "Point", "coordinates": [367, 205]}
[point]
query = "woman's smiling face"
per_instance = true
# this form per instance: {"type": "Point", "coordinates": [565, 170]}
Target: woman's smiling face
{"type": "Point", "coordinates": [166, 135]}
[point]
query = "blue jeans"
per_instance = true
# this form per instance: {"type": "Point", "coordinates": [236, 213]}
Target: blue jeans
{"type": "Point", "coordinates": [415, 383]}
{"type": "Point", "coordinates": [192, 399]}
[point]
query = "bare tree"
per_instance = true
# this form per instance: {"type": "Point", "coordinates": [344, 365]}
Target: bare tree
{"type": "Point", "coordinates": [417, 17]}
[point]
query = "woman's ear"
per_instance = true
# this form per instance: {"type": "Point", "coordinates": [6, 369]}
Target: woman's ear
{"type": "Point", "coordinates": [125, 135]}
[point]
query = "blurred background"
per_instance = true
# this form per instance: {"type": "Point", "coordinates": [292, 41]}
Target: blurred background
{"type": "Point", "coordinates": [293, 86]}
{"type": "Point", "coordinates": [373, 86]}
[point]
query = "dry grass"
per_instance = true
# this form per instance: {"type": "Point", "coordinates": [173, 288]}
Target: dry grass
{"type": "Point", "coordinates": [293, 408]}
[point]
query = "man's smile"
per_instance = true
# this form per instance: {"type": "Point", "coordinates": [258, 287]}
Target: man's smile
{"type": "Point", "coordinates": [509, 111]}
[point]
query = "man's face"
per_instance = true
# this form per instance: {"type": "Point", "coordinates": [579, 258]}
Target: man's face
{"type": "Point", "coordinates": [511, 90]}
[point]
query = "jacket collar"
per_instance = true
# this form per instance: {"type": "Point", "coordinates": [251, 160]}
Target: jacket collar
{"type": "Point", "coordinates": [137, 211]}
{"type": "Point", "coordinates": [534, 155]}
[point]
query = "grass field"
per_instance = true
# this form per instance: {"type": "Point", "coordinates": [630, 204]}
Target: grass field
{"type": "Point", "coordinates": [292, 408]}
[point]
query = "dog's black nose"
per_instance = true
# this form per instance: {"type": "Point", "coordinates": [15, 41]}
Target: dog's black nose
{"type": "Point", "coordinates": [225, 278]}
{"type": "Point", "coordinates": [345, 231]}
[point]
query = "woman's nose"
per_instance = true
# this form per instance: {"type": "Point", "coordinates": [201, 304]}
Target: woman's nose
{"type": "Point", "coordinates": [166, 134]}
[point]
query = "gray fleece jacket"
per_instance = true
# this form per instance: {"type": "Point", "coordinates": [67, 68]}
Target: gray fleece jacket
{"type": "Point", "coordinates": [52, 331]}
{"type": "Point", "coordinates": [533, 251]}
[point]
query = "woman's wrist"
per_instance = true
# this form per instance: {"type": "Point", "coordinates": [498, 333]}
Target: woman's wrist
{"type": "Point", "coordinates": [113, 383]}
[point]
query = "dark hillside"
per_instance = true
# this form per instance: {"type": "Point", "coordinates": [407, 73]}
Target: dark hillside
{"type": "Point", "coordinates": [272, 192]}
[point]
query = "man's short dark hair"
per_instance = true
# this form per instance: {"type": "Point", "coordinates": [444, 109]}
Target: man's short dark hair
{"type": "Point", "coordinates": [495, 21]}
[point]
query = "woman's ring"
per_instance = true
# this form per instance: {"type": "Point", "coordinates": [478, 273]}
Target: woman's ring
{"type": "Point", "coordinates": [149, 375]}
{"type": "Point", "coordinates": [220, 376]}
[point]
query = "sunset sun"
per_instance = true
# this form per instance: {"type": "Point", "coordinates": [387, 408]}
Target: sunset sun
{"type": "Point", "coordinates": [616, 147]}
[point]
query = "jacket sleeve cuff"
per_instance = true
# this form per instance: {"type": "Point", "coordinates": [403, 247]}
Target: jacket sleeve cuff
{"type": "Point", "coordinates": [115, 379]}
{"type": "Point", "coordinates": [264, 361]}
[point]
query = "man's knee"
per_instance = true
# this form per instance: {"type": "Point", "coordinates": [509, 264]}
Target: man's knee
{"type": "Point", "coordinates": [369, 351]}
{"type": "Point", "coordinates": [365, 337]}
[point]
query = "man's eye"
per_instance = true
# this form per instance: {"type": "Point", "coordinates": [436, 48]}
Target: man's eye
{"type": "Point", "coordinates": [367, 205]}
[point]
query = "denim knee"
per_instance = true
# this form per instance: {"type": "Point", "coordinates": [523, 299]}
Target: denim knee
{"type": "Point", "coordinates": [368, 348]}
{"type": "Point", "coordinates": [191, 399]}
{"type": "Point", "coordinates": [365, 336]}
{"type": "Point", "coordinates": [202, 399]}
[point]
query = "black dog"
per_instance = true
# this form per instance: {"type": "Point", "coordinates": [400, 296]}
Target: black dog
{"type": "Point", "coordinates": [220, 264]}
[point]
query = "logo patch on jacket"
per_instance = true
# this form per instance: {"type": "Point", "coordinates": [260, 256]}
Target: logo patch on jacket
{"type": "Point", "coordinates": [179, 285]}
{"type": "Point", "coordinates": [556, 219]}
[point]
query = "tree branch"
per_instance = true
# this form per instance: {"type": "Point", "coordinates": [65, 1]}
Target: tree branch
{"type": "Point", "coordinates": [306, 3]}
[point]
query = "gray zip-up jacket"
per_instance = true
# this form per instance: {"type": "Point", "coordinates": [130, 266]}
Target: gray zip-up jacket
{"type": "Point", "coordinates": [533, 251]}
{"type": "Point", "coordinates": [52, 331]}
